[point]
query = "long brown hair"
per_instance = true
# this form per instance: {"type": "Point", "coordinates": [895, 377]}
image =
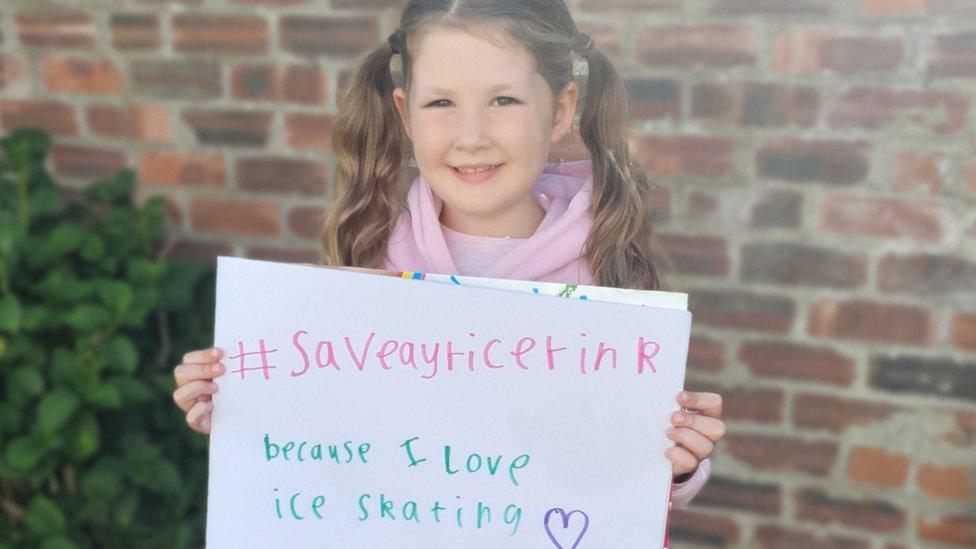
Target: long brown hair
{"type": "Point", "coordinates": [370, 141]}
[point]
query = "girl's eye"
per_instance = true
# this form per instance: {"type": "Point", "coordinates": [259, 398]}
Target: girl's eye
{"type": "Point", "coordinates": [439, 102]}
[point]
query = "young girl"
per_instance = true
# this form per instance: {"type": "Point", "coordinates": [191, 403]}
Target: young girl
{"type": "Point", "coordinates": [482, 89]}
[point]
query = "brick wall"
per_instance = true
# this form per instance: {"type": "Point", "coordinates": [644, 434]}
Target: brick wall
{"type": "Point", "coordinates": [816, 195]}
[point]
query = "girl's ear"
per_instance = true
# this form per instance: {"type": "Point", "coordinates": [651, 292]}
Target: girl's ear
{"type": "Point", "coordinates": [564, 112]}
{"type": "Point", "coordinates": [400, 100]}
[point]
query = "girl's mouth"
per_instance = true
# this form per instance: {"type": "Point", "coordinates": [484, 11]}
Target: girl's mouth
{"type": "Point", "coordinates": [479, 176]}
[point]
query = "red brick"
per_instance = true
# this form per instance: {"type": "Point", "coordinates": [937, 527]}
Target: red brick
{"type": "Point", "coordinates": [874, 515]}
{"type": "Point", "coordinates": [330, 36]}
{"type": "Point", "coordinates": [770, 8]}
{"type": "Point", "coordinates": [306, 221]}
{"type": "Point", "coordinates": [52, 28]}
{"type": "Point", "coordinates": [915, 171]}
{"type": "Point", "coordinates": [783, 360]}
{"type": "Point", "coordinates": [266, 82]}
{"type": "Point", "coordinates": [880, 108]}
{"type": "Point", "coordinates": [281, 175]}
{"type": "Point", "coordinates": [703, 206]}
{"type": "Point", "coordinates": [174, 169]}
{"type": "Point", "coordinates": [869, 321]}
{"type": "Point", "coordinates": [697, 255]}
{"type": "Point", "coordinates": [959, 530]}
{"type": "Point", "coordinates": [200, 251]}
{"type": "Point", "coordinates": [14, 75]}
{"type": "Point", "coordinates": [801, 264]}
{"type": "Point", "coordinates": [837, 414]}
{"type": "Point", "coordinates": [705, 354]}
{"type": "Point", "coordinates": [84, 162]}
{"type": "Point", "coordinates": [705, 157]}
{"type": "Point", "coordinates": [834, 162]}
{"type": "Point", "coordinates": [769, 536]}
{"type": "Point", "coordinates": [640, 7]}
{"type": "Point", "coordinates": [738, 495]}
{"type": "Point", "coordinates": [810, 50]}
{"type": "Point", "coordinates": [234, 128]}
{"type": "Point", "coordinates": [241, 217]}
{"type": "Point", "coordinates": [954, 56]}
{"type": "Point", "coordinates": [926, 274]}
{"type": "Point", "coordinates": [653, 98]}
{"type": "Point", "coordinates": [282, 255]}
{"type": "Point", "coordinates": [309, 131]}
{"type": "Point", "coordinates": [52, 116]}
{"type": "Point", "coordinates": [756, 104]}
{"type": "Point", "coordinates": [139, 122]}
{"type": "Point", "coordinates": [711, 46]}
{"type": "Point", "coordinates": [777, 209]}
{"type": "Point", "coordinates": [963, 331]}
{"type": "Point", "coordinates": [742, 310]}
{"type": "Point", "coordinates": [878, 467]}
{"type": "Point", "coordinates": [227, 34]}
{"type": "Point", "coordinates": [73, 75]}
{"type": "Point", "coordinates": [892, 7]}
{"type": "Point", "coordinates": [177, 79]}
{"type": "Point", "coordinates": [740, 403]}
{"type": "Point", "coordinates": [780, 453]}
{"type": "Point", "coordinates": [686, 526]}
{"type": "Point", "coordinates": [948, 482]}
{"type": "Point", "coordinates": [882, 217]}
{"type": "Point", "coordinates": [135, 31]}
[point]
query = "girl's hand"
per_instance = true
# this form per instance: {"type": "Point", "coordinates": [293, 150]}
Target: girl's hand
{"type": "Point", "coordinates": [695, 433]}
{"type": "Point", "coordinates": [194, 387]}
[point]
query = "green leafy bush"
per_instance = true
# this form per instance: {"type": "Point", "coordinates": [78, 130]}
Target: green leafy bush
{"type": "Point", "coordinates": [93, 316]}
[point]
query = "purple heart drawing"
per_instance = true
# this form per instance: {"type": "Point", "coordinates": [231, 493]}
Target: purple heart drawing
{"type": "Point", "coordinates": [565, 516]}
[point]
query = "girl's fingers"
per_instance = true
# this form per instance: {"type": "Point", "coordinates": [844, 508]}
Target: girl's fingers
{"type": "Point", "coordinates": [203, 356]}
{"type": "Point", "coordinates": [682, 460]}
{"type": "Point", "coordinates": [692, 441]}
{"type": "Point", "coordinates": [187, 395]}
{"type": "Point", "coordinates": [185, 373]}
{"type": "Point", "coordinates": [713, 429]}
{"type": "Point", "coordinates": [709, 404]}
{"type": "Point", "coordinates": [197, 414]}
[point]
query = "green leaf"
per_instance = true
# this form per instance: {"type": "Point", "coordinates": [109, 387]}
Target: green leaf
{"type": "Point", "coordinates": [27, 380]}
{"type": "Point", "coordinates": [93, 248]}
{"type": "Point", "coordinates": [87, 318]}
{"type": "Point", "coordinates": [10, 314]}
{"type": "Point", "coordinates": [55, 409]}
{"type": "Point", "coordinates": [133, 391]}
{"type": "Point", "coordinates": [126, 508]}
{"type": "Point", "coordinates": [58, 542]}
{"type": "Point", "coordinates": [44, 516]}
{"type": "Point", "coordinates": [84, 438]}
{"type": "Point", "coordinates": [120, 354]}
{"type": "Point", "coordinates": [104, 481]}
{"type": "Point", "coordinates": [115, 294]}
{"type": "Point", "coordinates": [23, 453]}
{"type": "Point", "coordinates": [65, 238]}
{"type": "Point", "coordinates": [105, 396]}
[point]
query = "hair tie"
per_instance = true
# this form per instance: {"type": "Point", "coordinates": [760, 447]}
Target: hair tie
{"type": "Point", "coordinates": [583, 44]}
{"type": "Point", "coordinates": [396, 42]}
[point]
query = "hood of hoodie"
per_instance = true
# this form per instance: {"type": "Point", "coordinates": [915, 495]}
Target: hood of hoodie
{"type": "Point", "coordinates": [554, 253]}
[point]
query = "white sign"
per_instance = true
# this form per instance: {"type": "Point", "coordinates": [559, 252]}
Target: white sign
{"type": "Point", "coordinates": [363, 411]}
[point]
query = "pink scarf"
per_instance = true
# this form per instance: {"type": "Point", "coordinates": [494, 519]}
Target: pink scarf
{"type": "Point", "coordinates": [553, 254]}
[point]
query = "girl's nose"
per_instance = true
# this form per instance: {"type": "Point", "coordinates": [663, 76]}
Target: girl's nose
{"type": "Point", "coordinates": [473, 130]}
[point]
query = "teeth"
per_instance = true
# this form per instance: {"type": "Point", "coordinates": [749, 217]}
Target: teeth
{"type": "Point", "coordinates": [475, 170]}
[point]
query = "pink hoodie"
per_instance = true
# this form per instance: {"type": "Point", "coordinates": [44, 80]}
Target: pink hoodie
{"type": "Point", "coordinates": [553, 254]}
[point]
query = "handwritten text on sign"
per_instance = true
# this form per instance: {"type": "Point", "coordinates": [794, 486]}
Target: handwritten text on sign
{"type": "Point", "coordinates": [363, 411]}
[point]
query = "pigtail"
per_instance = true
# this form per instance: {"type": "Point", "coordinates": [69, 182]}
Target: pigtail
{"type": "Point", "coordinates": [368, 138]}
{"type": "Point", "coordinates": [621, 250]}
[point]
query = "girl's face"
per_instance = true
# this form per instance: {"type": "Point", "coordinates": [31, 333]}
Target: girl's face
{"type": "Point", "coordinates": [473, 103]}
